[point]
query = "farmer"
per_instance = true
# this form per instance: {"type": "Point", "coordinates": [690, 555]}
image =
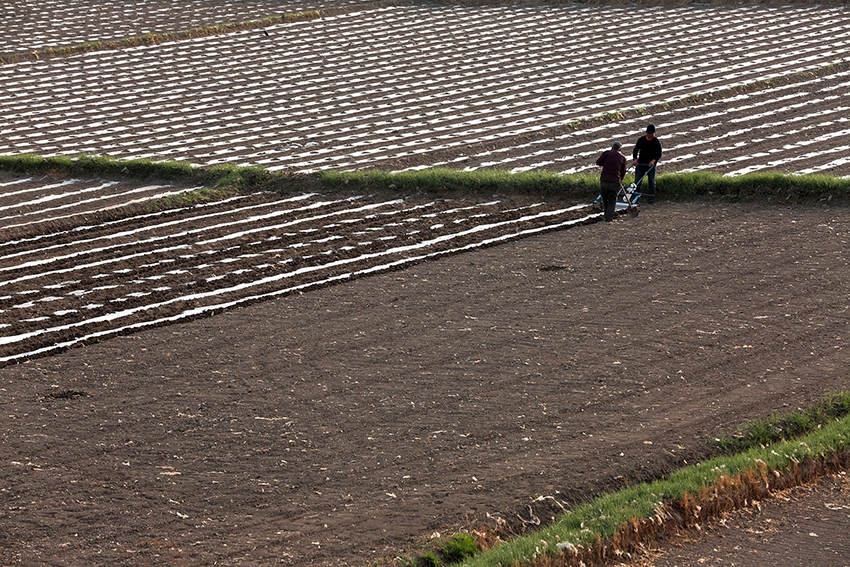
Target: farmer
{"type": "Point", "coordinates": [613, 164]}
{"type": "Point", "coordinates": [646, 154]}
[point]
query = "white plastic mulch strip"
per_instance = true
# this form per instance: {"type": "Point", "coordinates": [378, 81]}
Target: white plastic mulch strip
{"type": "Point", "coordinates": [120, 236]}
{"type": "Point", "coordinates": [108, 223]}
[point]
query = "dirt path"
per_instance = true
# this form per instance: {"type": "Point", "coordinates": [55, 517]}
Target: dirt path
{"type": "Point", "coordinates": [341, 425]}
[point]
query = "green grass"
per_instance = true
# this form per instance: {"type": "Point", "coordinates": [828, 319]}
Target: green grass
{"type": "Point", "coordinates": [772, 187]}
{"type": "Point", "coordinates": [459, 547]}
{"type": "Point", "coordinates": [96, 165]}
{"type": "Point", "coordinates": [450, 182]}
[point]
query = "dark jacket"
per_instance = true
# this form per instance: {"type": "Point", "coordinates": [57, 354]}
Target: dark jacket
{"type": "Point", "coordinates": [613, 166]}
{"type": "Point", "coordinates": [647, 150]}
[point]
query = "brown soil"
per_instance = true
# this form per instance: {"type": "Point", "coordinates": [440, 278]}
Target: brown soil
{"type": "Point", "coordinates": [356, 420]}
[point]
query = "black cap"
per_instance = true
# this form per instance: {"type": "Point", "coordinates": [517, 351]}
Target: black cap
{"type": "Point", "coordinates": [617, 145]}
{"type": "Point", "coordinates": [650, 129]}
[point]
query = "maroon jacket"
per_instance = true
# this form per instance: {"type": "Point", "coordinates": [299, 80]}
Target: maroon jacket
{"type": "Point", "coordinates": [613, 166]}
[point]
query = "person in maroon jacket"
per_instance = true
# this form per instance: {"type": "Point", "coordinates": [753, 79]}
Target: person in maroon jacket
{"type": "Point", "coordinates": [613, 164]}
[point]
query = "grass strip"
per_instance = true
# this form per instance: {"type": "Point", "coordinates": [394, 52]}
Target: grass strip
{"type": "Point", "coordinates": [220, 180]}
{"type": "Point", "coordinates": [771, 187]}
{"type": "Point", "coordinates": [227, 179]}
{"type": "Point", "coordinates": [686, 496]}
{"type": "Point", "coordinates": [453, 182]}
{"type": "Point", "coordinates": [775, 187]}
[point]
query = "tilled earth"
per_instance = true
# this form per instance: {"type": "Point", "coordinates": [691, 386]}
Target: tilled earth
{"type": "Point", "coordinates": [352, 421]}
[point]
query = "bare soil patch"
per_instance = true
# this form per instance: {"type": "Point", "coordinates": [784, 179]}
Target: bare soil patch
{"type": "Point", "coordinates": [353, 421]}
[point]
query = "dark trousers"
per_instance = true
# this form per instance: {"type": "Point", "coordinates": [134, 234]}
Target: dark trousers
{"type": "Point", "coordinates": [642, 175]}
{"type": "Point", "coordinates": [609, 191]}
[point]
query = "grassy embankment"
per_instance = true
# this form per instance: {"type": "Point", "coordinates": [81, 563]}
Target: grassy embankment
{"type": "Point", "coordinates": [770, 188]}
{"type": "Point", "coordinates": [778, 452]}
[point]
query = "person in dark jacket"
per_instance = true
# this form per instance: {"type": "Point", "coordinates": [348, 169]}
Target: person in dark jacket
{"type": "Point", "coordinates": [613, 164]}
{"type": "Point", "coordinates": [646, 154]}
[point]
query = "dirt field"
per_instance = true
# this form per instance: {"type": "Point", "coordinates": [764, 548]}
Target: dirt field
{"type": "Point", "coordinates": [239, 383]}
{"type": "Point", "coordinates": [68, 280]}
{"type": "Point", "coordinates": [349, 422]}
